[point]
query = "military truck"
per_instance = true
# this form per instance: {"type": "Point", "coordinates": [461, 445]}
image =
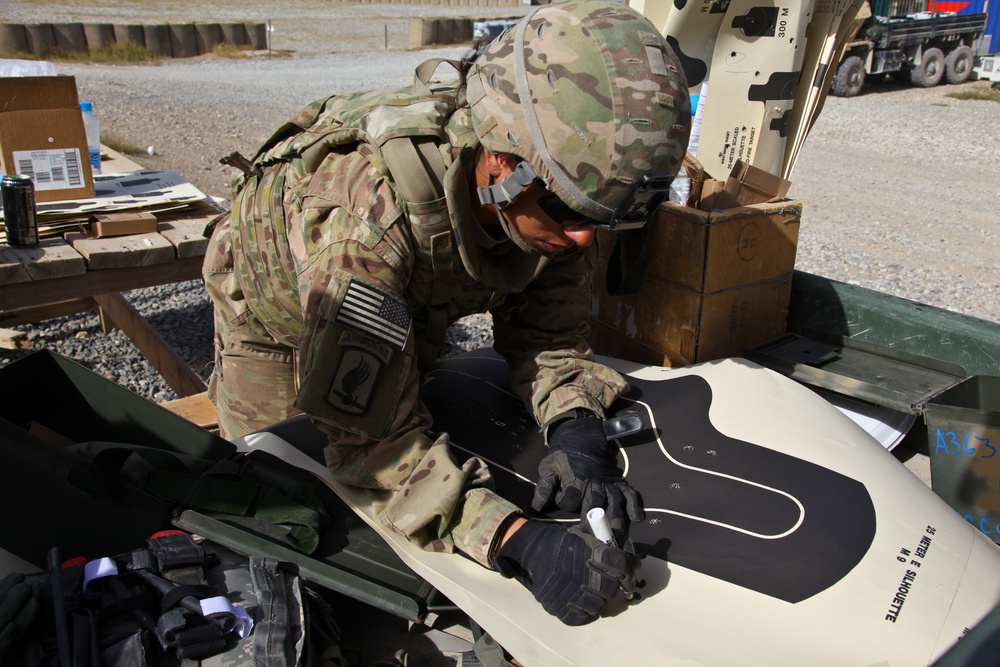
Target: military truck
{"type": "Point", "coordinates": [923, 48]}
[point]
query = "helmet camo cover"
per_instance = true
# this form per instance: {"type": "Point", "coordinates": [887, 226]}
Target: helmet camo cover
{"type": "Point", "coordinates": [590, 94]}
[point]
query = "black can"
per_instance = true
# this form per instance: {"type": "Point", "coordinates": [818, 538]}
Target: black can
{"type": "Point", "coordinates": [19, 214]}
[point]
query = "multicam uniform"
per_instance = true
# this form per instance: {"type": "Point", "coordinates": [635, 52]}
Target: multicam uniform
{"type": "Point", "coordinates": [330, 274]}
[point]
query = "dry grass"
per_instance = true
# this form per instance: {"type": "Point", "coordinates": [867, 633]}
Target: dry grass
{"type": "Point", "coordinates": [981, 90]}
{"type": "Point", "coordinates": [245, 51]}
{"type": "Point", "coordinates": [130, 53]}
{"type": "Point", "coordinates": [119, 53]}
{"type": "Point", "coordinates": [121, 145]}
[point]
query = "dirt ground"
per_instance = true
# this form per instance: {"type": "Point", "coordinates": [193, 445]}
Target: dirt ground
{"type": "Point", "coordinates": [898, 185]}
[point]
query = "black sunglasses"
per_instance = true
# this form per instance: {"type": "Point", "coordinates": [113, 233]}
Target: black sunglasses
{"type": "Point", "coordinates": [637, 209]}
{"type": "Point", "coordinates": [557, 209]}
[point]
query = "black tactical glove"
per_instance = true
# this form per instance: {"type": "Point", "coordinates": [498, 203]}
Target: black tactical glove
{"type": "Point", "coordinates": [581, 471]}
{"type": "Point", "coordinates": [569, 571]}
{"type": "Point", "coordinates": [20, 599]}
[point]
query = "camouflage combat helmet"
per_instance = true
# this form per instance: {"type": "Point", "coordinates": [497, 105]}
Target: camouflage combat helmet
{"type": "Point", "coordinates": [592, 99]}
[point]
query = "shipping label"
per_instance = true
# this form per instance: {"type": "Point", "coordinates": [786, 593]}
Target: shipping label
{"type": "Point", "coordinates": [53, 169]}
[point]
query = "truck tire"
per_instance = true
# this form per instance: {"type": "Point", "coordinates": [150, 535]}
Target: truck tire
{"type": "Point", "coordinates": [850, 78]}
{"type": "Point", "coordinates": [930, 70]}
{"type": "Point", "coordinates": [958, 65]}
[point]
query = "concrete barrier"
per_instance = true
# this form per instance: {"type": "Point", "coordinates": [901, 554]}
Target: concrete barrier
{"type": "Point", "coordinates": [183, 40]}
{"type": "Point", "coordinates": [257, 36]}
{"type": "Point", "coordinates": [422, 32]}
{"type": "Point", "coordinates": [13, 38]}
{"type": "Point", "coordinates": [425, 32]}
{"type": "Point", "coordinates": [209, 36]}
{"type": "Point", "coordinates": [130, 34]}
{"type": "Point", "coordinates": [70, 37]}
{"type": "Point", "coordinates": [99, 35]}
{"type": "Point", "coordinates": [41, 38]}
{"type": "Point", "coordinates": [235, 34]}
{"type": "Point", "coordinates": [157, 39]}
{"type": "Point", "coordinates": [173, 40]}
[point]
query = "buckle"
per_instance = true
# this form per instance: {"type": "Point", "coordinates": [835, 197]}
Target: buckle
{"type": "Point", "coordinates": [507, 191]}
{"type": "Point", "coordinates": [638, 207]}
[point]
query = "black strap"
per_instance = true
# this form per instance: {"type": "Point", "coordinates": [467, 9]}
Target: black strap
{"type": "Point", "coordinates": [200, 640]}
{"type": "Point", "coordinates": [176, 595]}
{"type": "Point", "coordinates": [631, 250]}
{"type": "Point", "coordinates": [59, 608]}
{"type": "Point", "coordinates": [191, 636]}
{"type": "Point", "coordinates": [84, 638]}
{"type": "Point", "coordinates": [429, 349]}
{"type": "Point", "coordinates": [175, 549]}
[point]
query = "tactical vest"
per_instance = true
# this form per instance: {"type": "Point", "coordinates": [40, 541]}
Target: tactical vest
{"type": "Point", "coordinates": [403, 134]}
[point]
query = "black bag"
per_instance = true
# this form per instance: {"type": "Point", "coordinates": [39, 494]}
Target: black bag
{"type": "Point", "coordinates": [171, 601]}
{"type": "Point", "coordinates": [94, 469]}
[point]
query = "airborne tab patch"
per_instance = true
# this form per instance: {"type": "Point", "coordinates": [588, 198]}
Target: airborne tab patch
{"type": "Point", "coordinates": [375, 313]}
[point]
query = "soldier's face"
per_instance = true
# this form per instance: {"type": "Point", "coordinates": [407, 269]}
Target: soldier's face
{"type": "Point", "coordinates": [539, 230]}
{"type": "Point", "coordinates": [536, 227]}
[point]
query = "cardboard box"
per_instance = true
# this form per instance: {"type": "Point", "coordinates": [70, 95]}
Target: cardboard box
{"type": "Point", "coordinates": [123, 224]}
{"type": "Point", "coordinates": [713, 251]}
{"type": "Point", "coordinates": [716, 283]}
{"type": "Point", "coordinates": [42, 136]}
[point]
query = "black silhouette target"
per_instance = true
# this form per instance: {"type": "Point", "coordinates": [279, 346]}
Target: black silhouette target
{"type": "Point", "coordinates": [730, 509]}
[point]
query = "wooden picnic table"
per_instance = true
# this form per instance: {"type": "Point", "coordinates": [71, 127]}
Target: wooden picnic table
{"type": "Point", "coordinates": [73, 273]}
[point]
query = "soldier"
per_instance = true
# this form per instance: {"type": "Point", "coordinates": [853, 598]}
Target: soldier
{"type": "Point", "coordinates": [371, 221]}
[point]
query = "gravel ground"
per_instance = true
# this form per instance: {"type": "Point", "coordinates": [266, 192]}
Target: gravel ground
{"type": "Point", "coordinates": [898, 185]}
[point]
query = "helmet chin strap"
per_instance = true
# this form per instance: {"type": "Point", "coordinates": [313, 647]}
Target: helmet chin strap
{"type": "Point", "coordinates": [499, 196]}
{"type": "Point", "coordinates": [509, 189]}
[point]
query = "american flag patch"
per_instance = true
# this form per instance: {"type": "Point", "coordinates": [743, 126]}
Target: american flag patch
{"type": "Point", "coordinates": [369, 311]}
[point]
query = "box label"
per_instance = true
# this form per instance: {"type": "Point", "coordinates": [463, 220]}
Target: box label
{"type": "Point", "coordinates": [53, 169]}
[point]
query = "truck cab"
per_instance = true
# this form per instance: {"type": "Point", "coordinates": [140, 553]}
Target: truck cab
{"type": "Point", "coordinates": [902, 39]}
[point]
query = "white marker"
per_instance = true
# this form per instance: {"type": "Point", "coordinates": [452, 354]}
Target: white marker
{"type": "Point", "coordinates": [602, 529]}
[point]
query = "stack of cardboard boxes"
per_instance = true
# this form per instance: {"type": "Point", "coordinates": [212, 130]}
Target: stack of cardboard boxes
{"type": "Point", "coordinates": [718, 278]}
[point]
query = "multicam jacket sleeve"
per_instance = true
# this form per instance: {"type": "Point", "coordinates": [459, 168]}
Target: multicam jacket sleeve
{"type": "Point", "coordinates": [358, 374]}
{"type": "Point", "coordinates": [543, 332]}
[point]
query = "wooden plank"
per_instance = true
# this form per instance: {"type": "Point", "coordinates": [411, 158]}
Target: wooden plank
{"type": "Point", "coordinates": [12, 339]}
{"type": "Point", "coordinates": [51, 258]}
{"type": "Point", "coordinates": [186, 234]}
{"type": "Point", "coordinates": [13, 297]}
{"type": "Point", "coordinates": [13, 318]}
{"type": "Point", "coordinates": [122, 251]}
{"type": "Point", "coordinates": [174, 370]}
{"type": "Point", "coordinates": [197, 409]}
